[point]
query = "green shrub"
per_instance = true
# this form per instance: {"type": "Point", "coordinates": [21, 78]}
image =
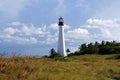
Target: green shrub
{"type": "Point", "coordinates": [54, 54]}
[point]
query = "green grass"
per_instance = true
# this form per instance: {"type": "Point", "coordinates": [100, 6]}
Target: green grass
{"type": "Point", "coordinates": [83, 67]}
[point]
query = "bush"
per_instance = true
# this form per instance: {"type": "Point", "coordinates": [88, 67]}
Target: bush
{"type": "Point", "coordinates": [54, 54]}
{"type": "Point", "coordinates": [76, 53]}
{"type": "Point", "coordinates": [105, 47]}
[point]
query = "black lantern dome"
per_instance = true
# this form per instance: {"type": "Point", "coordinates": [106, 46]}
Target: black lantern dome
{"type": "Point", "coordinates": [61, 22]}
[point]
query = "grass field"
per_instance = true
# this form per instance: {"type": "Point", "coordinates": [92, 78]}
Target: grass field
{"type": "Point", "coordinates": [83, 67]}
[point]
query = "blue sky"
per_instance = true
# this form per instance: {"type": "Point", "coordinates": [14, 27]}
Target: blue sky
{"type": "Point", "coordinates": [29, 27]}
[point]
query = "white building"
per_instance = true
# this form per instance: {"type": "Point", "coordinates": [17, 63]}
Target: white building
{"type": "Point", "coordinates": [61, 40]}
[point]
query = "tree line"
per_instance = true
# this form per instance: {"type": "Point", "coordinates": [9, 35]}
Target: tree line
{"type": "Point", "coordinates": [104, 47]}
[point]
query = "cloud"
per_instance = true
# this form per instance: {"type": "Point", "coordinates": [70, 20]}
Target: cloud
{"type": "Point", "coordinates": [30, 40]}
{"type": "Point", "coordinates": [50, 39]}
{"type": "Point", "coordinates": [23, 34]}
{"type": "Point", "coordinates": [31, 30]}
{"type": "Point", "coordinates": [13, 7]}
{"type": "Point", "coordinates": [16, 23]}
{"type": "Point", "coordinates": [55, 26]}
{"type": "Point", "coordinates": [17, 39]}
{"type": "Point", "coordinates": [106, 34]}
{"type": "Point", "coordinates": [103, 29]}
{"type": "Point", "coordinates": [52, 36]}
{"type": "Point", "coordinates": [78, 34]}
{"type": "Point", "coordinates": [92, 30]}
{"type": "Point", "coordinates": [104, 23]}
{"type": "Point", "coordinates": [10, 30]}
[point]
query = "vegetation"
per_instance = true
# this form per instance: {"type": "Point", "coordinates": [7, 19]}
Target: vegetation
{"type": "Point", "coordinates": [68, 50]}
{"type": "Point", "coordinates": [54, 54]}
{"type": "Point", "coordinates": [89, 66]}
{"type": "Point", "coordinates": [105, 47]}
{"type": "Point", "coordinates": [83, 67]}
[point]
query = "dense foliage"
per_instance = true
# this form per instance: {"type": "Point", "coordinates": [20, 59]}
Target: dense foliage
{"type": "Point", "coordinates": [105, 47]}
{"type": "Point", "coordinates": [54, 54]}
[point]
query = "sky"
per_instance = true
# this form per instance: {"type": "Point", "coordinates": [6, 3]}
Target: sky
{"type": "Point", "coordinates": [30, 27]}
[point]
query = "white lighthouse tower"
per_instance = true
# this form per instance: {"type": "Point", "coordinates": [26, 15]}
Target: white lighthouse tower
{"type": "Point", "coordinates": [61, 40]}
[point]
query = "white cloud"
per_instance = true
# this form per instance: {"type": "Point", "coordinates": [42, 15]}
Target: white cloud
{"type": "Point", "coordinates": [108, 29]}
{"type": "Point", "coordinates": [16, 23]}
{"type": "Point", "coordinates": [104, 23]}
{"type": "Point", "coordinates": [17, 39]}
{"type": "Point", "coordinates": [13, 7]}
{"type": "Point", "coordinates": [25, 29]}
{"type": "Point", "coordinates": [105, 33]}
{"type": "Point", "coordinates": [79, 31]}
{"type": "Point", "coordinates": [55, 26]}
{"type": "Point", "coordinates": [77, 34]}
{"type": "Point", "coordinates": [43, 28]}
{"type": "Point", "coordinates": [30, 40]}
{"type": "Point", "coordinates": [52, 36]}
{"type": "Point", "coordinates": [50, 40]}
{"type": "Point", "coordinates": [10, 30]}
{"type": "Point", "coordinates": [22, 35]}
{"type": "Point", "coordinates": [30, 30]}
{"type": "Point", "coordinates": [92, 30]}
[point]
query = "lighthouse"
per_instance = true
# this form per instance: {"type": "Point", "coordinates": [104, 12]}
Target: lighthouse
{"type": "Point", "coordinates": [61, 40]}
